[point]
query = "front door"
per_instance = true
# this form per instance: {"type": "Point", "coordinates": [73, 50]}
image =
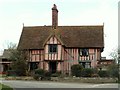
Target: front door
{"type": "Point", "coordinates": [52, 66]}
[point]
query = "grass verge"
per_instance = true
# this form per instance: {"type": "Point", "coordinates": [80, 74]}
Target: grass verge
{"type": "Point", "coordinates": [2, 75]}
{"type": "Point", "coordinates": [5, 87]}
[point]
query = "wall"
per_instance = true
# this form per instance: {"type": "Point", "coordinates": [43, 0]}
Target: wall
{"type": "Point", "coordinates": [36, 56]}
{"type": "Point", "coordinates": [1, 68]}
{"type": "Point", "coordinates": [65, 57]}
{"type": "Point", "coordinates": [53, 56]}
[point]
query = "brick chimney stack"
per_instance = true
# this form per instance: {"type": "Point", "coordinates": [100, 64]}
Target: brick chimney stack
{"type": "Point", "coordinates": [54, 17]}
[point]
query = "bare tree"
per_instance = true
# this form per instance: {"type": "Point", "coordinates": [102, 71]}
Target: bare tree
{"type": "Point", "coordinates": [115, 54]}
{"type": "Point", "coordinates": [18, 59]}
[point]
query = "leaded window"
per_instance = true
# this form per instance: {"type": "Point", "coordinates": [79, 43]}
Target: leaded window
{"type": "Point", "coordinates": [83, 52]}
{"type": "Point", "coordinates": [52, 48]}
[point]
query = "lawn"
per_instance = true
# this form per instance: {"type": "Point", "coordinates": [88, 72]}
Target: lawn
{"type": "Point", "coordinates": [5, 87]}
{"type": "Point", "coordinates": [2, 75]}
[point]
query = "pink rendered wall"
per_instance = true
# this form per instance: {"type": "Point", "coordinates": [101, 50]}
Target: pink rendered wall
{"type": "Point", "coordinates": [46, 66]}
{"type": "Point", "coordinates": [36, 56]}
{"type": "Point", "coordinates": [95, 57]}
{"type": "Point", "coordinates": [59, 66]}
{"type": "Point", "coordinates": [70, 57]}
{"type": "Point", "coordinates": [53, 56]}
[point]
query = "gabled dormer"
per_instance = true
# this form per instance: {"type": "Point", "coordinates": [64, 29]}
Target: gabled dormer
{"type": "Point", "coordinates": [53, 48]}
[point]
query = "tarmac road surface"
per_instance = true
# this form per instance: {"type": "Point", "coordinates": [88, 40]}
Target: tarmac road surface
{"type": "Point", "coordinates": [39, 85]}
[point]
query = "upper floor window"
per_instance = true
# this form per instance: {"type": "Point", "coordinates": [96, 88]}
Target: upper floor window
{"type": "Point", "coordinates": [83, 52]}
{"type": "Point", "coordinates": [52, 48]}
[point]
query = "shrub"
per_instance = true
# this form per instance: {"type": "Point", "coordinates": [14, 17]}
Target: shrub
{"type": "Point", "coordinates": [114, 73]}
{"type": "Point", "coordinates": [94, 75]}
{"type": "Point", "coordinates": [113, 70]}
{"type": "Point", "coordinates": [18, 62]}
{"type": "Point", "coordinates": [57, 74]}
{"type": "Point", "coordinates": [39, 72]}
{"type": "Point", "coordinates": [20, 72]}
{"type": "Point", "coordinates": [16, 73]}
{"type": "Point", "coordinates": [87, 72]}
{"type": "Point", "coordinates": [103, 73]}
{"type": "Point", "coordinates": [47, 74]}
{"type": "Point", "coordinates": [54, 75]}
{"type": "Point", "coordinates": [76, 70]}
{"type": "Point", "coordinates": [42, 74]}
{"type": "Point", "coordinates": [36, 76]}
{"type": "Point", "coordinates": [11, 73]}
{"type": "Point", "coordinates": [95, 72]}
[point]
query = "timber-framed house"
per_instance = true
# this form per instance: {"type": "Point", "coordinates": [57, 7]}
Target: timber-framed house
{"type": "Point", "coordinates": [57, 48]}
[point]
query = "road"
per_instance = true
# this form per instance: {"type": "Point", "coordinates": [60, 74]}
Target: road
{"type": "Point", "coordinates": [47, 84]}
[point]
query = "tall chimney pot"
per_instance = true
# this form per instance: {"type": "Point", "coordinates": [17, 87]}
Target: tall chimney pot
{"type": "Point", "coordinates": [54, 17]}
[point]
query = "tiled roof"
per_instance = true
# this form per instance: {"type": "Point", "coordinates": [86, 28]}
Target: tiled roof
{"type": "Point", "coordinates": [6, 54]}
{"type": "Point", "coordinates": [71, 36]}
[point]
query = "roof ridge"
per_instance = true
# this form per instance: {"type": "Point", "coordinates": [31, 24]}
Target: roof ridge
{"type": "Point", "coordinates": [36, 26]}
{"type": "Point", "coordinates": [66, 26]}
{"type": "Point", "coordinates": [80, 25]}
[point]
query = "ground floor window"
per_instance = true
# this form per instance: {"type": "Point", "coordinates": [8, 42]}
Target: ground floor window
{"type": "Point", "coordinates": [33, 65]}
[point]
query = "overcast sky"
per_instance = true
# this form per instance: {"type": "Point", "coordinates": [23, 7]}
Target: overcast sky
{"type": "Point", "coordinates": [13, 13]}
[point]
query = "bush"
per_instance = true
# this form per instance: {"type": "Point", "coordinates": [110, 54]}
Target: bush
{"type": "Point", "coordinates": [18, 62]}
{"type": "Point", "coordinates": [94, 75]}
{"type": "Point", "coordinates": [87, 72]}
{"type": "Point", "coordinates": [76, 70]}
{"type": "Point", "coordinates": [42, 74]}
{"type": "Point", "coordinates": [114, 73]}
{"type": "Point", "coordinates": [20, 72]}
{"type": "Point", "coordinates": [54, 75]}
{"type": "Point", "coordinates": [59, 72]}
{"type": "Point", "coordinates": [11, 73]}
{"type": "Point", "coordinates": [113, 70]}
{"type": "Point", "coordinates": [39, 72]}
{"type": "Point", "coordinates": [36, 76]}
{"type": "Point", "coordinates": [103, 73]}
{"type": "Point", "coordinates": [16, 73]}
{"type": "Point", "coordinates": [47, 74]}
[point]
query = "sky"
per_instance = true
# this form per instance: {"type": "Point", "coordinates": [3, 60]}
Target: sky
{"type": "Point", "coordinates": [16, 13]}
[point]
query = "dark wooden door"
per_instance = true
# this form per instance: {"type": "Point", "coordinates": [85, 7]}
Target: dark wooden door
{"type": "Point", "coordinates": [53, 66]}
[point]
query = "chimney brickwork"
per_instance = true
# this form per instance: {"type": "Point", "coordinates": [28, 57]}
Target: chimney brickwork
{"type": "Point", "coordinates": [54, 17]}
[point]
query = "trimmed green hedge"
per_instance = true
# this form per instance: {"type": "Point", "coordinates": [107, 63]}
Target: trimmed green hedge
{"type": "Point", "coordinates": [76, 70]}
{"type": "Point", "coordinates": [41, 74]}
{"type": "Point", "coordinates": [103, 73]}
{"type": "Point", "coordinates": [87, 72]}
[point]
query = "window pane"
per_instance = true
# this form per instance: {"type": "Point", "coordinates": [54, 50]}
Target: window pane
{"type": "Point", "coordinates": [83, 52]}
{"type": "Point", "coordinates": [52, 48]}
